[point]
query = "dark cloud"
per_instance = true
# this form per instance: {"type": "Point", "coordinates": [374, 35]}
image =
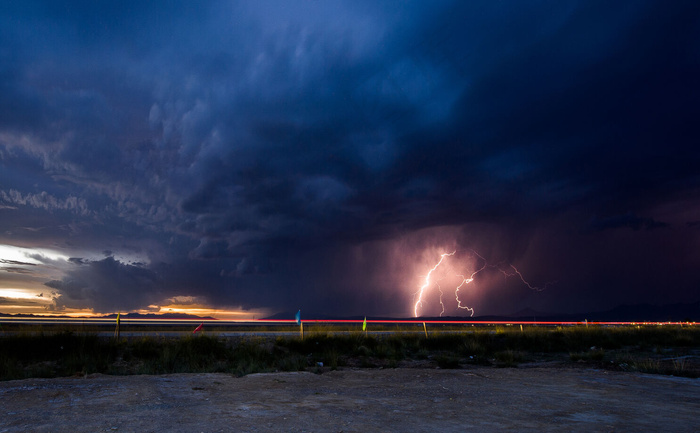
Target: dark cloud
{"type": "Point", "coordinates": [270, 154]}
{"type": "Point", "coordinates": [28, 303]}
{"type": "Point", "coordinates": [16, 270]}
{"type": "Point", "coordinates": [77, 261]}
{"type": "Point", "coordinates": [627, 220]}
{"type": "Point", "coordinates": [16, 262]}
{"type": "Point", "coordinates": [106, 285]}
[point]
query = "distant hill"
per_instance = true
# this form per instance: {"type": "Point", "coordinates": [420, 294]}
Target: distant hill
{"type": "Point", "coordinates": [621, 313]}
{"type": "Point", "coordinates": [647, 312]}
{"type": "Point", "coordinates": [287, 315]}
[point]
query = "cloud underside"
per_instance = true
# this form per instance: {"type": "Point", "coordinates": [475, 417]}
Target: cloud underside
{"type": "Point", "coordinates": [274, 155]}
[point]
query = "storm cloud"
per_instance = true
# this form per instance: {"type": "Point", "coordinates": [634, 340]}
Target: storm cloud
{"type": "Point", "coordinates": [323, 154]}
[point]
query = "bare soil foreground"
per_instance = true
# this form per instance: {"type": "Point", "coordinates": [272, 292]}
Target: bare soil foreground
{"type": "Point", "coordinates": [376, 400]}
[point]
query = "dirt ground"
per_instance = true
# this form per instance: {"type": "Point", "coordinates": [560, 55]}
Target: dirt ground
{"type": "Point", "coordinates": [376, 400]}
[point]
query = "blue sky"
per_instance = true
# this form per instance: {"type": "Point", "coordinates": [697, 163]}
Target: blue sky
{"type": "Point", "coordinates": [276, 155]}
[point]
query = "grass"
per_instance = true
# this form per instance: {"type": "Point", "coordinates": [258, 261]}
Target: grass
{"type": "Point", "coordinates": [652, 349]}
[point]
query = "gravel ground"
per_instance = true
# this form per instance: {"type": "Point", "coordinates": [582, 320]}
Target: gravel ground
{"type": "Point", "coordinates": [376, 400]}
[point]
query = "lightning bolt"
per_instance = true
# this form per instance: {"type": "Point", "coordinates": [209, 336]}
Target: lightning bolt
{"type": "Point", "coordinates": [426, 284]}
{"type": "Point", "coordinates": [441, 303]}
{"type": "Point", "coordinates": [465, 281]}
{"type": "Point", "coordinates": [535, 288]}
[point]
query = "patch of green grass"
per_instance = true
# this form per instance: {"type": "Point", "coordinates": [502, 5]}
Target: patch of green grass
{"type": "Point", "coordinates": [645, 366]}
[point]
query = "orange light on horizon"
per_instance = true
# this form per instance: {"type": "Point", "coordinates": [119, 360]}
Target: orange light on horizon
{"type": "Point", "coordinates": [207, 311]}
{"type": "Point", "coordinates": [37, 306]}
